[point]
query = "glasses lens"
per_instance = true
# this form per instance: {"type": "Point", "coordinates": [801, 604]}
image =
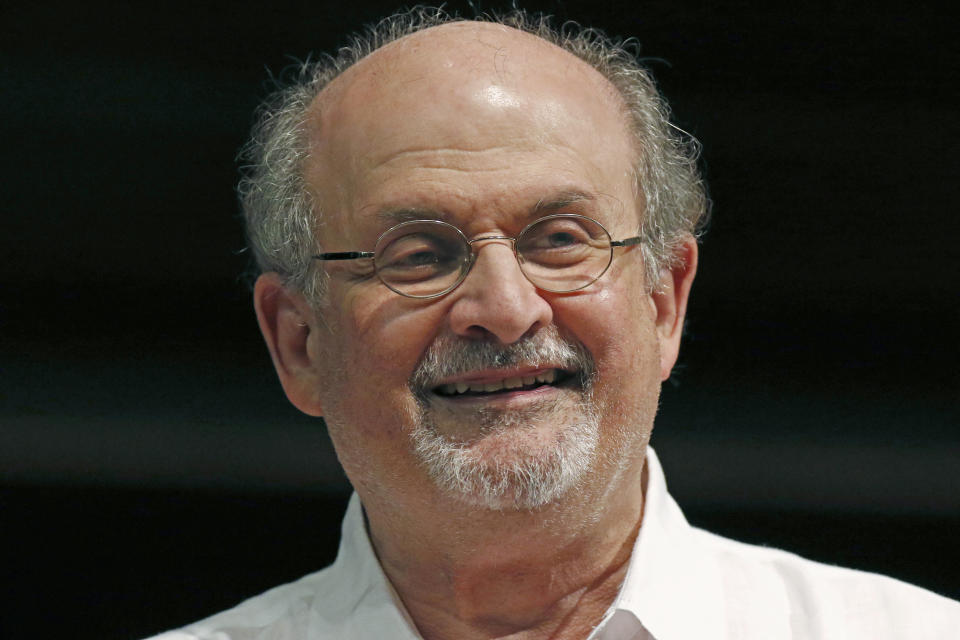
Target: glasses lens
{"type": "Point", "coordinates": [564, 252]}
{"type": "Point", "coordinates": [422, 258]}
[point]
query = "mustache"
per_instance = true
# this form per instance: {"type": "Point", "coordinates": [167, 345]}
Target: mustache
{"type": "Point", "coordinates": [450, 356]}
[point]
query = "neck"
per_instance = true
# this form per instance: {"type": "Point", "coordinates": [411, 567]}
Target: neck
{"type": "Point", "coordinates": [550, 573]}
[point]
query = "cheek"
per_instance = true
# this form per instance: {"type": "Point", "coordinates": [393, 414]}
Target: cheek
{"type": "Point", "coordinates": [375, 333]}
{"type": "Point", "coordinates": [390, 341]}
{"type": "Point", "coordinates": [616, 324]}
{"type": "Point", "coordinates": [369, 407]}
{"type": "Point", "coordinates": [380, 341]}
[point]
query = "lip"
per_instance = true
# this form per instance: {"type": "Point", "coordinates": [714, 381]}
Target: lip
{"type": "Point", "coordinates": [508, 397]}
{"type": "Point", "coordinates": [496, 375]}
{"type": "Point", "coordinates": [562, 379]}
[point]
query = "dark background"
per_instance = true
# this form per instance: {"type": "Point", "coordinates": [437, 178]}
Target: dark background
{"type": "Point", "coordinates": [151, 471]}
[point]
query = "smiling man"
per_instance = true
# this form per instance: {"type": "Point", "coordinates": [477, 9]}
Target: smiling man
{"type": "Point", "coordinates": [477, 241]}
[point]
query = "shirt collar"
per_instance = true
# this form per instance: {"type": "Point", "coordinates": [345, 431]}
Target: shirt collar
{"type": "Point", "coordinates": [673, 586]}
{"type": "Point", "coordinates": [377, 602]}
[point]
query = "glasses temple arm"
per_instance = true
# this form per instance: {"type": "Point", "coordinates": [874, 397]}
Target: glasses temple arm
{"type": "Point", "coordinates": [344, 255]}
{"type": "Point", "coordinates": [627, 242]}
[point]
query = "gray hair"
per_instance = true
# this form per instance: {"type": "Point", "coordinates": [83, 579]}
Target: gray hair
{"type": "Point", "coordinates": [282, 220]}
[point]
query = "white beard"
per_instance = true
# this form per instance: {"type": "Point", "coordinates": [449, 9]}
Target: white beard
{"type": "Point", "coordinates": [517, 474]}
{"type": "Point", "coordinates": [516, 459]}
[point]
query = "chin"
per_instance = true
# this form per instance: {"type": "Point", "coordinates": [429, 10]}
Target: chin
{"type": "Point", "coordinates": [511, 466]}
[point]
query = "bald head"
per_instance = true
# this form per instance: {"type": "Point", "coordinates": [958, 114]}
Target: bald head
{"type": "Point", "coordinates": [459, 55]}
{"type": "Point", "coordinates": [458, 91]}
{"type": "Point", "coordinates": [511, 73]}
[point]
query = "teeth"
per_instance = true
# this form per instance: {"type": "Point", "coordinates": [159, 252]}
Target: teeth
{"type": "Point", "coordinates": [547, 377]}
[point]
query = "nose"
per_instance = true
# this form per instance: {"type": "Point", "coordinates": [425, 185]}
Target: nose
{"type": "Point", "coordinates": [496, 299]}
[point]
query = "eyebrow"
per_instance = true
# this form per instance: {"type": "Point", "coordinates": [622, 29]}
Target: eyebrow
{"type": "Point", "coordinates": [555, 202]}
{"type": "Point", "coordinates": [393, 216]}
{"type": "Point", "coordinates": [562, 200]}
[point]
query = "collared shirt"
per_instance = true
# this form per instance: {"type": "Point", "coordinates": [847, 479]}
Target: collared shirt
{"type": "Point", "coordinates": [682, 584]}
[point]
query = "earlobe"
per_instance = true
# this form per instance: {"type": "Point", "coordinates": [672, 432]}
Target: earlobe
{"type": "Point", "coordinates": [286, 320]}
{"type": "Point", "coordinates": [670, 302]}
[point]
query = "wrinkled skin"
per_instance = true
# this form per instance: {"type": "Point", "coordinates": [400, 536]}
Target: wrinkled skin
{"type": "Point", "coordinates": [476, 124]}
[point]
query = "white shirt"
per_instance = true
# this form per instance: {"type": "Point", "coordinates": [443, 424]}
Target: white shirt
{"type": "Point", "coordinates": [682, 584]}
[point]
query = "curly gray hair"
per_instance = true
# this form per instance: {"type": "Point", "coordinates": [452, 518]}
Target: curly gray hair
{"type": "Point", "coordinates": [282, 220]}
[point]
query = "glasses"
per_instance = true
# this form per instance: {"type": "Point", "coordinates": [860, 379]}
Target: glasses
{"type": "Point", "coordinates": [429, 258]}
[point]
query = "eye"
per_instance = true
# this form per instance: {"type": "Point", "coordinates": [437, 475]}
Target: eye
{"type": "Point", "coordinates": [417, 259]}
{"type": "Point", "coordinates": [557, 233]}
{"type": "Point", "coordinates": [563, 241]}
{"type": "Point", "coordinates": [418, 256]}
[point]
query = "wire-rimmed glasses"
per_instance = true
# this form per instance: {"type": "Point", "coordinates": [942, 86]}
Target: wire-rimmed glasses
{"type": "Point", "coordinates": [559, 253]}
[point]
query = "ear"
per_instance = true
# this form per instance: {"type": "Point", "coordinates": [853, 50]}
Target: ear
{"type": "Point", "coordinates": [669, 300]}
{"type": "Point", "coordinates": [286, 320]}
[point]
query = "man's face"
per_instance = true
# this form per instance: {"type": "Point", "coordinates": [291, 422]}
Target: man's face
{"type": "Point", "coordinates": [496, 394]}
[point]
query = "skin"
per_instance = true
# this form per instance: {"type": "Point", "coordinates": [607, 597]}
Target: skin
{"type": "Point", "coordinates": [476, 124]}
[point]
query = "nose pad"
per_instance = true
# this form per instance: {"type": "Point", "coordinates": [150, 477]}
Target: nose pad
{"type": "Point", "coordinates": [496, 298]}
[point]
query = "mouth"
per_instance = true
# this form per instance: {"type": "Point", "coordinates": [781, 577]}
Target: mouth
{"type": "Point", "coordinates": [491, 385]}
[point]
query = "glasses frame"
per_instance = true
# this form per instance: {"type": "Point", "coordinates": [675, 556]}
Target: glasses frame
{"type": "Point", "coordinates": [465, 271]}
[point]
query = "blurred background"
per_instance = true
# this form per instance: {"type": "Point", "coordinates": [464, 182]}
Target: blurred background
{"type": "Point", "coordinates": [151, 471]}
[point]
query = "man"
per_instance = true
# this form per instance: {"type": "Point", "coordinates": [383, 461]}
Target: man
{"type": "Point", "coordinates": [477, 243]}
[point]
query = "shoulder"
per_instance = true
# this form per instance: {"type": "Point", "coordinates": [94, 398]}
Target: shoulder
{"type": "Point", "coordinates": [351, 598]}
{"type": "Point", "coordinates": [827, 601]}
{"type": "Point", "coordinates": [314, 602]}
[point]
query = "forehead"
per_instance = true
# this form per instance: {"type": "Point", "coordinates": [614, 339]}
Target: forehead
{"type": "Point", "coordinates": [465, 115]}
